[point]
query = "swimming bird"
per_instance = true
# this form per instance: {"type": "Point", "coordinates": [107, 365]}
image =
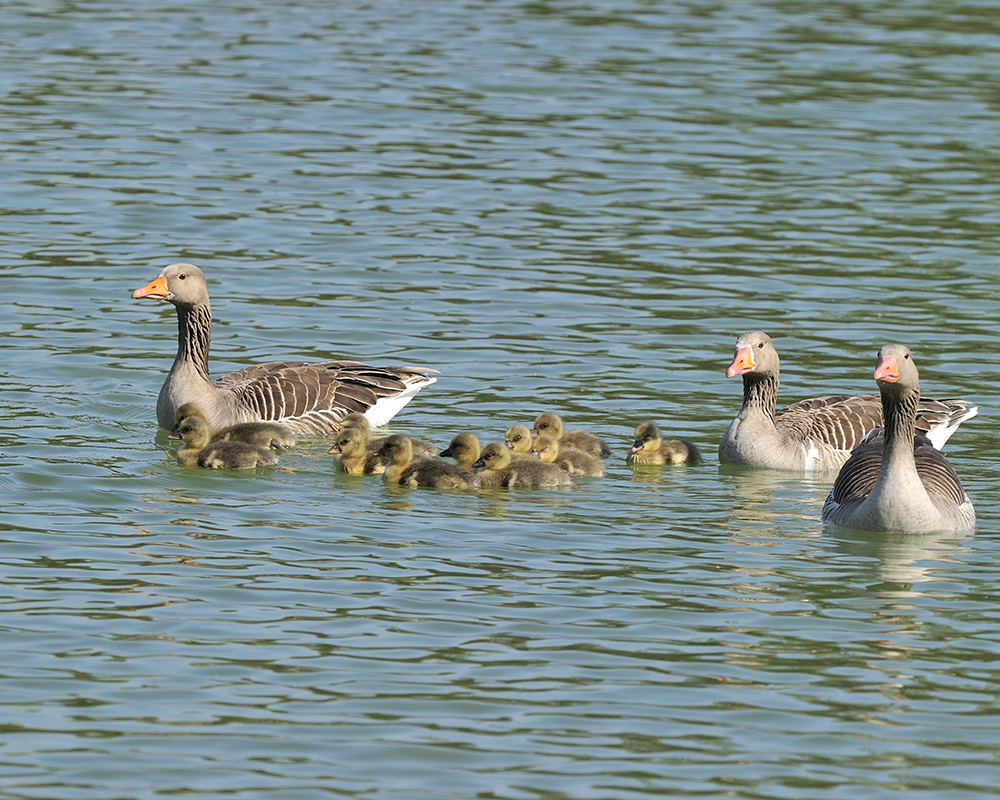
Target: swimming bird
{"type": "Point", "coordinates": [421, 447]}
{"type": "Point", "coordinates": [262, 434]}
{"type": "Point", "coordinates": [552, 424]}
{"type": "Point", "coordinates": [200, 450]}
{"type": "Point", "coordinates": [576, 462]}
{"type": "Point", "coordinates": [500, 468]}
{"type": "Point", "coordinates": [306, 397]}
{"type": "Point", "coordinates": [404, 469]}
{"type": "Point", "coordinates": [519, 439]}
{"type": "Point", "coordinates": [814, 434]}
{"type": "Point", "coordinates": [896, 480]}
{"type": "Point", "coordinates": [650, 448]}
{"type": "Point", "coordinates": [355, 454]}
{"type": "Point", "coordinates": [464, 448]}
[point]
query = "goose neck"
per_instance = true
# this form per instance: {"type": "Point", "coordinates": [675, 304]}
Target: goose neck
{"type": "Point", "coordinates": [194, 328]}
{"type": "Point", "coordinates": [760, 394]}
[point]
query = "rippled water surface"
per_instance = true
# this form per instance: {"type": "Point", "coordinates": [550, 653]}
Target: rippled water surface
{"type": "Point", "coordinates": [560, 205]}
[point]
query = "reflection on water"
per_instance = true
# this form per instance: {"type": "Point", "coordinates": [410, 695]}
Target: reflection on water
{"type": "Point", "coordinates": [898, 562]}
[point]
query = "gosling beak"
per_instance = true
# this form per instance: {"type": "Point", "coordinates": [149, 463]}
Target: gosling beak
{"type": "Point", "coordinates": [335, 450]}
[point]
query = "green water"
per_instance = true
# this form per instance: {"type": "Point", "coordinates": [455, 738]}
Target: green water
{"type": "Point", "coordinates": [562, 206]}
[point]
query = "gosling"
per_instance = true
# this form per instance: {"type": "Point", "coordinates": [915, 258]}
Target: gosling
{"type": "Point", "coordinates": [499, 468]}
{"type": "Point", "coordinates": [261, 434]}
{"type": "Point", "coordinates": [201, 451]}
{"type": "Point", "coordinates": [407, 470]}
{"type": "Point", "coordinates": [649, 448]}
{"type": "Point", "coordinates": [464, 448]}
{"type": "Point", "coordinates": [576, 462]}
{"type": "Point", "coordinates": [552, 424]}
{"type": "Point", "coordinates": [421, 447]}
{"type": "Point", "coordinates": [355, 456]}
{"type": "Point", "coordinates": [518, 439]}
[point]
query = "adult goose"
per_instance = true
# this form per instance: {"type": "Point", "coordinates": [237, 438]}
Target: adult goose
{"type": "Point", "coordinates": [896, 480]}
{"type": "Point", "coordinates": [814, 434]}
{"type": "Point", "coordinates": [306, 397]}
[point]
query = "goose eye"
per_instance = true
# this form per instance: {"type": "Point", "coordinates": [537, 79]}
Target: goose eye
{"type": "Point", "coordinates": [760, 345]}
{"type": "Point", "coordinates": [907, 356]}
{"type": "Point", "coordinates": [182, 276]}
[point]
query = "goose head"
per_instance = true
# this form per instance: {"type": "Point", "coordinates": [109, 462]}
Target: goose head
{"type": "Point", "coordinates": [464, 448]}
{"type": "Point", "coordinates": [646, 434]}
{"type": "Point", "coordinates": [398, 449]}
{"type": "Point", "coordinates": [518, 438]}
{"type": "Point", "coordinates": [895, 371]}
{"type": "Point", "coordinates": [180, 284]}
{"type": "Point", "coordinates": [494, 456]}
{"type": "Point", "coordinates": [754, 353]}
{"type": "Point", "coordinates": [548, 423]}
{"type": "Point", "coordinates": [194, 431]}
{"type": "Point", "coordinates": [546, 448]}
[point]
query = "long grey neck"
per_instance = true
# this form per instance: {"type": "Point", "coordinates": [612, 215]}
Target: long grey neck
{"type": "Point", "coordinates": [899, 414]}
{"type": "Point", "coordinates": [194, 328]}
{"type": "Point", "coordinates": [760, 394]}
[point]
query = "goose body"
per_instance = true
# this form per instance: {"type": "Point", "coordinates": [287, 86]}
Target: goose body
{"type": "Point", "coordinates": [650, 448]}
{"type": "Point", "coordinates": [897, 480]}
{"type": "Point", "coordinates": [576, 462]}
{"type": "Point", "coordinates": [305, 397]}
{"type": "Point", "coordinates": [500, 468]}
{"type": "Point", "coordinates": [406, 470]}
{"type": "Point", "coordinates": [814, 434]}
{"type": "Point", "coordinates": [552, 424]}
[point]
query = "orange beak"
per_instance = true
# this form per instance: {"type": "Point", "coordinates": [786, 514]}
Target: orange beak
{"type": "Point", "coordinates": [742, 363]}
{"type": "Point", "coordinates": [157, 290]}
{"type": "Point", "coordinates": [887, 370]}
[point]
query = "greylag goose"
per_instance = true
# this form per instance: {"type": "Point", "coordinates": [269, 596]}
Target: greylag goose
{"type": "Point", "coordinates": [650, 448]}
{"type": "Point", "coordinates": [409, 471]}
{"type": "Point", "coordinates": [261, 434]}
{"type": "Point", "coordinates": [896, 480]}
{"type": "Point", "coordinates": [814, 434]}
{"type": "Point", "coordinates": [576, 462]}
{"type": "Point", "coordinates": [464, 448]}
{"type": "Point", "coordinates": [355, 454]}
{"type": "Point", "coordinates": [518, 439]}
{"type": "Point", "coordinates": [500, 468]}
{"type": "Point", "coordinates": [307, 398]}
{"type": "Point", "coordinates": [202, 451]}
{"type": "Point", "coordinates": [552, 425]}
{"type": "Point", "coordinates": [421, 447]}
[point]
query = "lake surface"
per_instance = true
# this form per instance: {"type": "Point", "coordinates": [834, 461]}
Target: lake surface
{"type": "Point", "coordinates": [559, 205]}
